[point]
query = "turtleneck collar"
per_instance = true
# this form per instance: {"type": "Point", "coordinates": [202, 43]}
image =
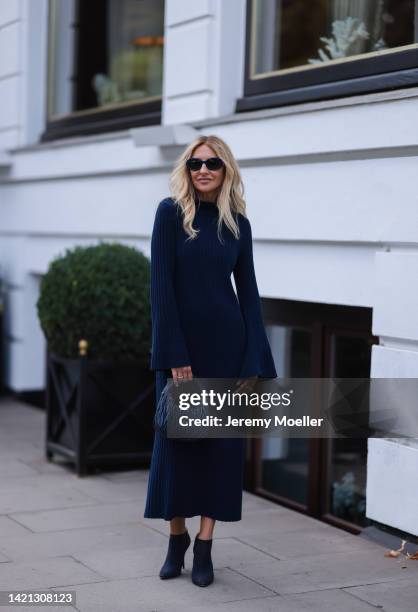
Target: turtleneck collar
{"type": "Point", "coordinates": [205, 204]}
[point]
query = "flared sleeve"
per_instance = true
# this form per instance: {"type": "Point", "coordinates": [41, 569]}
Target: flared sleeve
{"type": "Point", "coordinates": [168, 346]}
{"type": "Point", "coordinates": [258, 358]}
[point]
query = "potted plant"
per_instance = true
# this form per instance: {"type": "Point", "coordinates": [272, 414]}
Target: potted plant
{"type": "Point", "coordinates": [95, 313]}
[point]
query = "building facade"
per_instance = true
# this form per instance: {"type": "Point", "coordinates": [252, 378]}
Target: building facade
{"type": "Point", "coordinates": [319, 103]}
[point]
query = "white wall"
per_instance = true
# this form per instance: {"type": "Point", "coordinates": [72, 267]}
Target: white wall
{"type": "Point", "coordinates": [203, 59]}
{"type": "Point", "coordinates": [23, 44]}
{"type": "Point", "coordinates": [395, 462]}
{"type": "Point", "coordinates": [10, 72]}
{"type": "Point", "coordinates": [319, 217]}
{"type": "Point", "coordinates": [330, 188]}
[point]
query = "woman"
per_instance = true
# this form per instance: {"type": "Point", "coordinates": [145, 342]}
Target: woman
{"type": "Point", "coordinates": [199, 329]}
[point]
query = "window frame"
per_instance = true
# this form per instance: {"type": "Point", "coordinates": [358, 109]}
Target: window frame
{"type": "Point", "coordinates": [368, 73]}
{"type": "Point", "coordinates": [320, 319]}
{"type": "Point", "coordinates": [95, 120]}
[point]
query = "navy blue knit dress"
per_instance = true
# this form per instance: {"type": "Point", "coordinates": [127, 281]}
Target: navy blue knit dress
{"type": "Point", "coordinates": [197, 320]}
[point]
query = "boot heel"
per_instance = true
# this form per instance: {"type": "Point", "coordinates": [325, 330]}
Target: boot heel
{"type": "Point", "coordinates": [202, 572]}
{"type": "Point", "coordinates": [177, 546]}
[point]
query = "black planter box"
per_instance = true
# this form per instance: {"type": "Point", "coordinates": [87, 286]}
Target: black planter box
{"type": "Point", "coordinates": [99, 413]}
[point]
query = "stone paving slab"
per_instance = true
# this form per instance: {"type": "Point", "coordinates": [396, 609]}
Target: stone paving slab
{"type": "Point", "coordinates": [332, 600]}
{"type": "Point", "coordinates": [131, 475]}
{"type": "Point", "coordinates": [59, 478]}
{"type": "Point", "coordinates": [56, 466]}
{"type": "Point", "coordinates": [389, 596]}
{"type": "Point", "coordinates": [253, 503]}
{"type": "Point", "coordinates": [271, 522]}
{"type": "Point", "coordinates": [103, 490]}
{"type": "Point", "coordinates": [142, 592]}
{"type": "Point", "coordinates": [147, 560]}
{"type": "Point", "coordinates": [45, 573]}
{"type": "Point", "coordinates": [58, 530]}
{"type": "Point", "coordinates": [96, 488]}
{"type": "Point", "coordinates": [84, 516]}
{"type": "Point", "coordinates": [24, 450]}
{"type": "Point", "coordinates": [37, 497]}
{"type": "Point", "coordinates": [10, 528]}
{"type": "Point", "coordinates": [109, 538]}
{"type": "Point", "coordinates": [298, 543]}
{"type": "Point", "coordinates": [327, 571]}
{"type": "Point", "coordinates": [14, 468]}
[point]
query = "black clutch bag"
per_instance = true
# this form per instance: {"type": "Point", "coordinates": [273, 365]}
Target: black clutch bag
{"type": "Point", "coordinates": [168, 410]}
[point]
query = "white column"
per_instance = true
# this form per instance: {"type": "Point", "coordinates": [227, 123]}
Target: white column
{"type": "Point", "coordinates": [10, 73]}
{"type": "Point", "coordinates": [33, 50]}
{"type": "Point", "coordinates": [23, 79]}
{"type": "Point", "coordinates": [203, 59]}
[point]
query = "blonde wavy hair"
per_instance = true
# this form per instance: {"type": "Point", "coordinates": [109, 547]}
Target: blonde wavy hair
{"type": "Point", "coordinates": [230, 197]}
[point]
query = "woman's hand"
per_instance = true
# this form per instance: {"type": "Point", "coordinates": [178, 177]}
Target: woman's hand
{"type": "Point", "coordinates": [246, 385]}
{"type": "Point", "coordinates": [181, 374]}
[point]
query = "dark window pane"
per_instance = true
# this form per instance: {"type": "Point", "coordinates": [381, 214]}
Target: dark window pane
{"type": "Point", "coordinates": [104, 55]}
{"type": "Point", "coordinates": [350, 358]}
{"type": "Point", "coordinates": [135, 49]}
{"type": "Point", "coordinates": [347, 478]}
{"type": "Point", "coordinates": [291, 34]}
{"type": "Point", "coordinates": [285, 461]}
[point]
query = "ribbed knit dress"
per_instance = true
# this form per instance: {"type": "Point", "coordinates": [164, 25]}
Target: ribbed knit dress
{"type": "Point", "coordinates": [197, 320]}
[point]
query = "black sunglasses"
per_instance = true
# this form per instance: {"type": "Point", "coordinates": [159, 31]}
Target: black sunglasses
{"type": "Point", "coordinates": [213, 163]}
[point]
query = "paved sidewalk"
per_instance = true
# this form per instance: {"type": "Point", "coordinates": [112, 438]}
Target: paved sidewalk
{"type": "Point", "coordinates": [89, 534]}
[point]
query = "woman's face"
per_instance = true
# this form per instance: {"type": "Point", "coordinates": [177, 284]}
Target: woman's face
{"type": "Point", "coordinates": [206, 182]}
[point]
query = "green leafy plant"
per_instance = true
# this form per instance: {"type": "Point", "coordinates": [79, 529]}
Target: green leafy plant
{"type": "Point", "coordinates": [100, 294]}
{"type": "Point", "coordinates": [345, 35]}
{"type": "Point", "coordinates": [138, 72]}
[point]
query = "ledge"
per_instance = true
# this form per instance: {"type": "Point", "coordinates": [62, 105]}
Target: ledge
{"type": "Point", "coordinates": [253, 115]}
{"type": "Point", "coordinates": [5, 160]}
{"type": "Point", "coordinates": [163, 135]}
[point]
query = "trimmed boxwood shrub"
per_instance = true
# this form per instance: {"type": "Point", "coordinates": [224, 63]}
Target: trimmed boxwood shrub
{"type": "Point", "coordinates": [100, 294]}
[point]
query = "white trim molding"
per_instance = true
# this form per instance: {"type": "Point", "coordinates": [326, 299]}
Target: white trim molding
{"type": "Point", "coordinates": [5, 160]}
{"type": "Point", "coordinates": [164, 135]}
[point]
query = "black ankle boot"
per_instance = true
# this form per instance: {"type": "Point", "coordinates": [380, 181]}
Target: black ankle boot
{"type": "Point", "coordinates": [177, 546]}
{"type": "Point", "coordinates": [202, 572]}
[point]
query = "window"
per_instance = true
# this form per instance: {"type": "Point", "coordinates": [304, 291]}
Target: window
{"type": "Point", "coordinates": [322, 477]}
{"type": "Point", "coordinates": [299, 50]}
{"type": "Point", "coordinates": [105, 62]}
